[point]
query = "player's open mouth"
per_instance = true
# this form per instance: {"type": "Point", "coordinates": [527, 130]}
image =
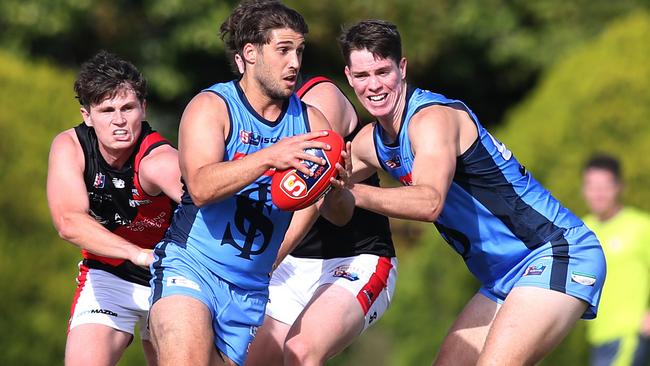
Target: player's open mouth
{"type": "Point", "coordinates": [121, 135]}
{"type": "Point", "coordinates": [377, 98]}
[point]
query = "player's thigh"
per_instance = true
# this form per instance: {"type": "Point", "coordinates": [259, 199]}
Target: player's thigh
{"type": "Point", "coordinates": [529, 324]}
{"type": "Point", "coordinates": [267, 348]}
{"type": "Point", "coordinates": [95, 344]}
{"type": "Point", "coordinates": [328, 324]}
{"type": "Point", "coordinates": [467, 335]}
{"type": "Point", "coordinates": [181, 331]}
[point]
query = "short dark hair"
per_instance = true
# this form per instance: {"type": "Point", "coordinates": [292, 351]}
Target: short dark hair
{"type": "Point", "coordinates": [605, 162]}
{"type": "Point", "coordinates": [104, 75]}
{"type": "Point", "coordinates": [379, 37]}
{"type": "Point", "coordinates": [252, 22]}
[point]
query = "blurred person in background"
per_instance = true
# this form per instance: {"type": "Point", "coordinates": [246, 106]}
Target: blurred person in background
{"type": "Point", "coordinates": [331, 282]}
{"type": "Point", "coordinates": [620, 334]}
{"type": "Point", "coordinates": [112, 185]}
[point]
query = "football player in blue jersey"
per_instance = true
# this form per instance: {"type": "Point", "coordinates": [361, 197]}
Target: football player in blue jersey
{"type": "Point", "coordinates": [211, 272]}
{"type": "Point", "coordinates": [540, 267]}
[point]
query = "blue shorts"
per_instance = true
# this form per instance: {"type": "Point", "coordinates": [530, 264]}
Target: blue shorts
{"type": "Point", "coordinates": [236, 313]}
{"type": "Point", "coordinates": [573, 264]}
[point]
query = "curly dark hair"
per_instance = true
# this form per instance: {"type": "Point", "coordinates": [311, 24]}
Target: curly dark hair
{"type": "Point", "coordinates": [252, 22]}
{"type": "Point", "coordinates": [104, 75]}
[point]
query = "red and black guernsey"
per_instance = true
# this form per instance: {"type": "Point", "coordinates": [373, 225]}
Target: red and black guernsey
{"type": "Point", "coordinates": [366, 233]}
{"type": "Point", "coordinates": [118, 202]}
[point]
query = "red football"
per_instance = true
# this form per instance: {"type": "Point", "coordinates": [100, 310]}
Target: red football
{"type": "Point", "coordinates": [292, 190]}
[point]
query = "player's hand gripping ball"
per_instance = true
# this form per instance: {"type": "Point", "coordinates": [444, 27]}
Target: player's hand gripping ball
{"type": "Point", "coordinates": [292, 190]}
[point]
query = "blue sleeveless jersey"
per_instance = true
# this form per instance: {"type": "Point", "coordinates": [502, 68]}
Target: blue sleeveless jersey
{"type": "Point", "coordinates": [238, 238]}
{"type": "Point", "coordinates": [495, 213]}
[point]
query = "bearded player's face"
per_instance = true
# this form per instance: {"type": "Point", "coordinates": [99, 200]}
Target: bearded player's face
{"type": "Point", "coordinates": [278, 63]}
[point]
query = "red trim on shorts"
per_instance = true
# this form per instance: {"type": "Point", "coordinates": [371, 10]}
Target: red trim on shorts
{"type": "Point", "coordinates": [376, 284]}
{"type": "Point", "coordinates": [81, 282]}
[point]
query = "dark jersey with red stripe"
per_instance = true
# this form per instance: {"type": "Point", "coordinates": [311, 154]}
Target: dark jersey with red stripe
{"type": "Point", "coordinates": [118, 202]}
{"type": "Point", "coordinates": [366, 233]}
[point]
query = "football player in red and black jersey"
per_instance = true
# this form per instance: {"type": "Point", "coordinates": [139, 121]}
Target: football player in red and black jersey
{"type": "Point", "coordinates": [112, 185]}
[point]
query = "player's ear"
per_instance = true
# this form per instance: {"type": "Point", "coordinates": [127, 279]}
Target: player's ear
{"type": "Point", "coordinates": [402, 67]}
{"type": "Point", "coordinates": [249, 54]}
{"type": "Point", "coordinates": [85, 114]}
{"type": "Point", "coordinates": [144, 109]}
{"type": "Point", "coordinates": [347, 74]}
{"type": "Point", "coordinates": [241, 66]}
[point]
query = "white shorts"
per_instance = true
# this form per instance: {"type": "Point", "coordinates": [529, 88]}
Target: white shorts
{"type": "Point", "coordinates": [370, 278]}
{"type": "Point", "coordinates": [103, 298]}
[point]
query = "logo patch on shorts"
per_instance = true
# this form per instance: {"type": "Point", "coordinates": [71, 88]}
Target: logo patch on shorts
{"type": "Point", "coordinates": [583, 278]}
{"type": "Point", "coordinates": [372, 318]}
{"type": "Point", "coordinates": [345, 272]}
{"type": "Point", "coordinates": [97, 311]}
{"type": "Point", "coordinates": [183, 282]}
{"type": "Point", "coordinates": [534, 270]}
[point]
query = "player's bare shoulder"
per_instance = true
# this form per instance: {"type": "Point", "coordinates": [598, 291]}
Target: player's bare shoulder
{"type": "Point", "coordinates": [205, 107]}
{"type": "Point", "coordinates": [443, 124]}
{"type": "Point", "coordinates": [66, 146]}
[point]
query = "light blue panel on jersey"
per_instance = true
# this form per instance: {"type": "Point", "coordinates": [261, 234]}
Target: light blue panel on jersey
{"type": "Point", "coordinates": [239, 236]}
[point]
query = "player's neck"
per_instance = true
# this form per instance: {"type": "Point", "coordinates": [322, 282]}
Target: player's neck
{"type": "Point", "coordinates": [610, 213]}
{"type": "Point", "coordinates": [115, 158]}
{"type": "Point", "coordinates": [267, 107]}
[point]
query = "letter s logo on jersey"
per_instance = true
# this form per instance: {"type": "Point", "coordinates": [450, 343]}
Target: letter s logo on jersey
{"type": "Point", "coordinates": [294, 186]}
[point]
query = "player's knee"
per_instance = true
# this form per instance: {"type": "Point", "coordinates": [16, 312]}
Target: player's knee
{"type": "Point", "coordinates": [299, 351]}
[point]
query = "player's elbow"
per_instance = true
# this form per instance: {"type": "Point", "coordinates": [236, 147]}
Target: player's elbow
{"type": "Point", "coordinates": [200, 197]}
{"type": "Point", "coordinates": [432, 206]}
{"type": "Point", "coordinates": [65, 227]}
{"type": "Point", "coordinates": [430, 215]}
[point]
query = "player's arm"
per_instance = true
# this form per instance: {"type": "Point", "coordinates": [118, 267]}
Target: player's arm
{"type": "Point", "coordinates": [338, 204]}
{"type": "Point", "coordinates": [363, 156]}
{"type": "Point", "coordinates": [336, 108]}
{"type": "Point", "coordinates": [68, 202]}
{"type": "Point", "coordinates": [160, 173]}
{"type": "Point", "coordinates": [202, 134]}
{"type": "Point", "coordinates": [434, 134]}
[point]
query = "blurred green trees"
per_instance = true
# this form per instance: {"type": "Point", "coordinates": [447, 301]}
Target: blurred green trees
{"type": "Point", "coordinates": [37, 270]}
